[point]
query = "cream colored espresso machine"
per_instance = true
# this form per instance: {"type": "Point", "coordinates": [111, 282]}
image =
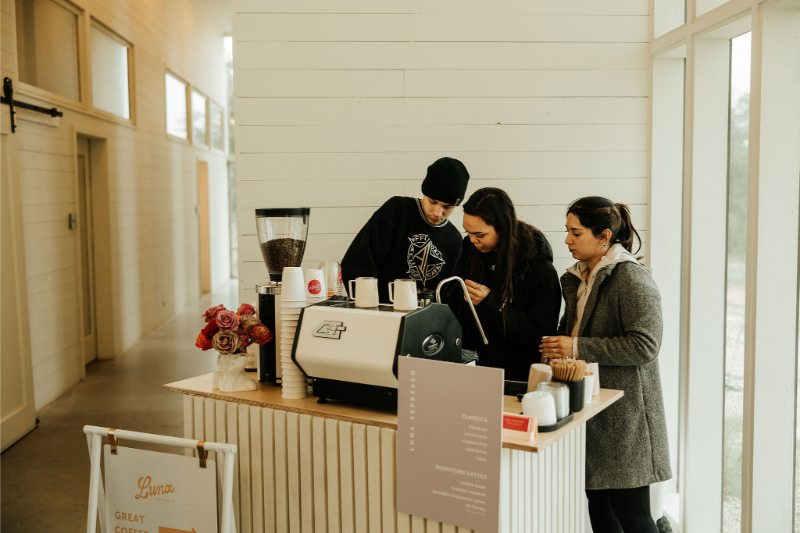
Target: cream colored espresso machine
{"type": "Point", "coordinates": [351, 354]}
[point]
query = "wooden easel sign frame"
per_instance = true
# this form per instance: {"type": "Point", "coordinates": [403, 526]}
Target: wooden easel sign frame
{"type": "Point", "coordinates": [154, 491]}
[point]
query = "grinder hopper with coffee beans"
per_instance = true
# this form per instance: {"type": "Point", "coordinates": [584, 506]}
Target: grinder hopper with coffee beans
{"type": "Point", "coordinates": [282, 237]}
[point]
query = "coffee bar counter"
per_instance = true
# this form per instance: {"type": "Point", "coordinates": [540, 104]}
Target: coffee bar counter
{"type": "Point", "coordinates": [308, 467]}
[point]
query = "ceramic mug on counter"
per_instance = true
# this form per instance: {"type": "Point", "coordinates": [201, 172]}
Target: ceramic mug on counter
{"type": "Point", "coordinates": [403, 294]}
{"type": "Point", "coordinates": [366, 291]}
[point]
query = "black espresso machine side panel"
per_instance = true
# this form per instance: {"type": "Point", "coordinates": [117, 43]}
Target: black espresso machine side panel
{"type": "Point", "coordinates": [432, 332]}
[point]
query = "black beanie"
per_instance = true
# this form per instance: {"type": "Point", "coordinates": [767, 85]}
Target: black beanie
{"type": "Point", "coordinates": [446, 181]}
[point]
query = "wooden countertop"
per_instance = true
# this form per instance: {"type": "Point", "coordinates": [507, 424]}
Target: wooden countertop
{"type": "Point", "coordinates": [270, 396]}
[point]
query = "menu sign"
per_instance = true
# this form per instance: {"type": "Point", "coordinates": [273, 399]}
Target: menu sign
{"type": "Point", "coordinates": [449, 441]}
{"type": "Point", "coordinates": [151, 492]}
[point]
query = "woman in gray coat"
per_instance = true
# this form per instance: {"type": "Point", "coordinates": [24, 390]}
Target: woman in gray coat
{"type": "Point", "coordinates": [613, 317]}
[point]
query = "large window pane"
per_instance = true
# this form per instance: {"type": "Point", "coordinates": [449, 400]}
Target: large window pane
{"type": "Point", "coordinates": [109, 74]}
{"type": "Point", "coordinates": [47, 47]}
{"type": "Point", "coordinates": [177, 116]}
{"type": "Point", "coordinates": [228, 43]}
{"type": "Point", "coordinates": [735, 281]}
{"type": "Point", "coordinates": [199, 127]}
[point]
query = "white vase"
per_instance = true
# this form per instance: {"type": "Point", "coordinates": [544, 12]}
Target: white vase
{"type": "Point", "coordinates": [231, 376]}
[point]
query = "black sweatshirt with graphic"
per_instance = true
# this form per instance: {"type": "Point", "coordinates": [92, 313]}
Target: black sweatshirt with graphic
{"type": "Point", "coordinates": [398, 242]}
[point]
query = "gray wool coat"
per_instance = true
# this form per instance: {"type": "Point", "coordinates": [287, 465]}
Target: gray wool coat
{"type": "Point", "coordinates": [626, 445]}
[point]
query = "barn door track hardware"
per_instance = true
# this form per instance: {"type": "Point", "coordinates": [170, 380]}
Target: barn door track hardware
{"type": "Point", "coordinates": [8, 98]}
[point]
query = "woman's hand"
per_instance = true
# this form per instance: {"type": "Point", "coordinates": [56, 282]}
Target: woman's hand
{"type": "Point", "coordinates": [556, 347]}
{"type": "Point", "coordinates": [477, 292]}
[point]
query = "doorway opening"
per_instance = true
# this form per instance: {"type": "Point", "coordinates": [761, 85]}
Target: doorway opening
{"type": "Point", "coordinates": [86, 236]}
{"type": "Point", "coordinates": [94, 235]}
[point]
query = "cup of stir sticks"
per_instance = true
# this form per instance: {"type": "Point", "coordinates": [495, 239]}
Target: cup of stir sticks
{"type": "Point", "coordinates": [571, 372]}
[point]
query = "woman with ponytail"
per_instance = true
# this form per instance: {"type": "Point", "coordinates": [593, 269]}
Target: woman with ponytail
{"type": "Point", "coordinates": [508, 268]}
{"type": "Point", "coordinates": [612, 317]}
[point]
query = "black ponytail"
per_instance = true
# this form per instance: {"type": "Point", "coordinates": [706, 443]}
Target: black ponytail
{"type": "Point", "coordinates": [599, 214]}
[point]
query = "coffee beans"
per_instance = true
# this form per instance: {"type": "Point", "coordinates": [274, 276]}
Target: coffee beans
{"type": "Point", "coordinates": [281, 253]}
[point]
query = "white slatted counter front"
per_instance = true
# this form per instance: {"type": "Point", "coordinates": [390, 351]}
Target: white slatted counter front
{"type": "Point", "coordinates": [304, 467]}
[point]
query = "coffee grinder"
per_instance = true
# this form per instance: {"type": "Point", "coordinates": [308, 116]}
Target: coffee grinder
{"type": "Point", "coordinates": [282, 235]}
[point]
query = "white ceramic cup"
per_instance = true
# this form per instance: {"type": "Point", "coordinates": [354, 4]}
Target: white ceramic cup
{"type": "Point", "coordinates": [538, 374]}
{"type": "Point", "coordinates": [292, 289]}
{"type": "Point", "coordinates": [403, 294]}
{"type": "Point", "coordinates": [594, 368]}
{"type": "Point", "coordinates": [314, 280]}
{"type": "Point", "coordinates": [541, 405]}
{"type": "Point", "coordinates": [366, 291]}
{"type": "Point", "coordinates": [588, 387]}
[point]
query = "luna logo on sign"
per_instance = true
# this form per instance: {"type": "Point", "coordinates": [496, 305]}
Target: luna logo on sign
{"type": "Point", "coordinates": [148, 490]}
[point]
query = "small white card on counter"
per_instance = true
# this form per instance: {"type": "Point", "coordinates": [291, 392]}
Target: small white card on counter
{"type": "Point", "coordinates": [449, 442]}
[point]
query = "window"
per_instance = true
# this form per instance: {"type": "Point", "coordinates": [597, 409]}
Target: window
{"type": "Point", "coordinates": [738, 124]}
{"type": "Point", "coordinates": [110, 64]}
{"type": "Point", "coordinates": [230, 126]}
{"type": "Point", "coordinates": [217, 127]}
{"type": "Point", "coordinates": [199, 116]}
{"type": "Point", "coordinates": [47, 46]}
{"type": "Point", "coordinates": [177, 114]}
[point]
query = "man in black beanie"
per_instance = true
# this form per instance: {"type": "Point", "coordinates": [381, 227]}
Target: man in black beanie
{"type": "Point", "coordinates": [410, 237]}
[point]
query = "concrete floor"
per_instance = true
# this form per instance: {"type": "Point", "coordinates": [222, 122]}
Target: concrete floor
{"type": "Point", "coordinates": [44, 478]}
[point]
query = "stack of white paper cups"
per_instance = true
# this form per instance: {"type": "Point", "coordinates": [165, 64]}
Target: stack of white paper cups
{"type": "Point", "coordinates": [293, 300]}
{"type": "Point", "coordinates": [315, 286]}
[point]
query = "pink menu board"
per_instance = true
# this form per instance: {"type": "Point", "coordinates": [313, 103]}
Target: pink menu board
{"type": "Point", "coordinates": [449, 441]}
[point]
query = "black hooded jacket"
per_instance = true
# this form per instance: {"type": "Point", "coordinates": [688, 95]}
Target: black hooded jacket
{"type": "Point", "coordinates": [532, 315]}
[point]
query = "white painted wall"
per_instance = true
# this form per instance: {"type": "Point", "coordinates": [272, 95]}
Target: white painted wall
{"type": "Point", "coordinates": [341, 105]}
{"type": "Point", "coordinates": [154, 267]}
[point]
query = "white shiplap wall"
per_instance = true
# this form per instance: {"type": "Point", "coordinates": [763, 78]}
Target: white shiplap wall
{"type": "Point", "coordinates": [152, 188]}
{"type": "Point", "coordinates": [341, 105]}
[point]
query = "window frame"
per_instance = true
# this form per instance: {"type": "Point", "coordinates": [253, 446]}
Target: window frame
{"type": "Point", "coordinates": [768, 498]}
{"type": "Point", "coordinates": [91, 20]}
{"type": "Point", "coordinates": [27, 89]}
{"type": "Point", "coordinates": [207, 143]}
{"type": "Point", "coordinates": [188, 96]}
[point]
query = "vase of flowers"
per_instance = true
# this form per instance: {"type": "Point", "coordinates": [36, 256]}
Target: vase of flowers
{"type": "Point", "coordinates": [230, 334]}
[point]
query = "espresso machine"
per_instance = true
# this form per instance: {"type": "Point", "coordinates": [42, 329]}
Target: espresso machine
{"type": "Point", "coordinates": [282, 235]}
{"type": "Point", "coordinates": [351, 353]}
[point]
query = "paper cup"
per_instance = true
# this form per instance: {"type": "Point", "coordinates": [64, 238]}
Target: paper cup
{"type": "Point", "coordinates": [541, 405]}
{"type": "Point", "coordinates": [296, 304]}
{"type": "Point", "coordinates": [538, 374]}
{"type": "Point", "coordinates": [594, 368]}
{"type": "Point", "coordinates": [290, 312]}
{"type": "Point", "coordinates": [588, 377]}
{"type": "Point", "coordinates": [292, 289]}
{"type": "Point", "coordinates": [314, 281]}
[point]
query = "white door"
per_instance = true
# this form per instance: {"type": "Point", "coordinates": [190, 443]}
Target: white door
{"type": "Point", "coordinates": [17, 411]}
{"type": "Point", "coordinates": [86, 227]}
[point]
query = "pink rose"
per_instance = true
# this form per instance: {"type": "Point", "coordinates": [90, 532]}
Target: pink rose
{"type": "Point", "coordinates": [227, 319]}
{"type": "Point", "coordinates": [246, 309]}
{"type": "Point", "coordinates": [248, 321]}
{"type": "Point", "coordinates": [226, 341]}
{"type": "Point", "coordinates": [211, 313]}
